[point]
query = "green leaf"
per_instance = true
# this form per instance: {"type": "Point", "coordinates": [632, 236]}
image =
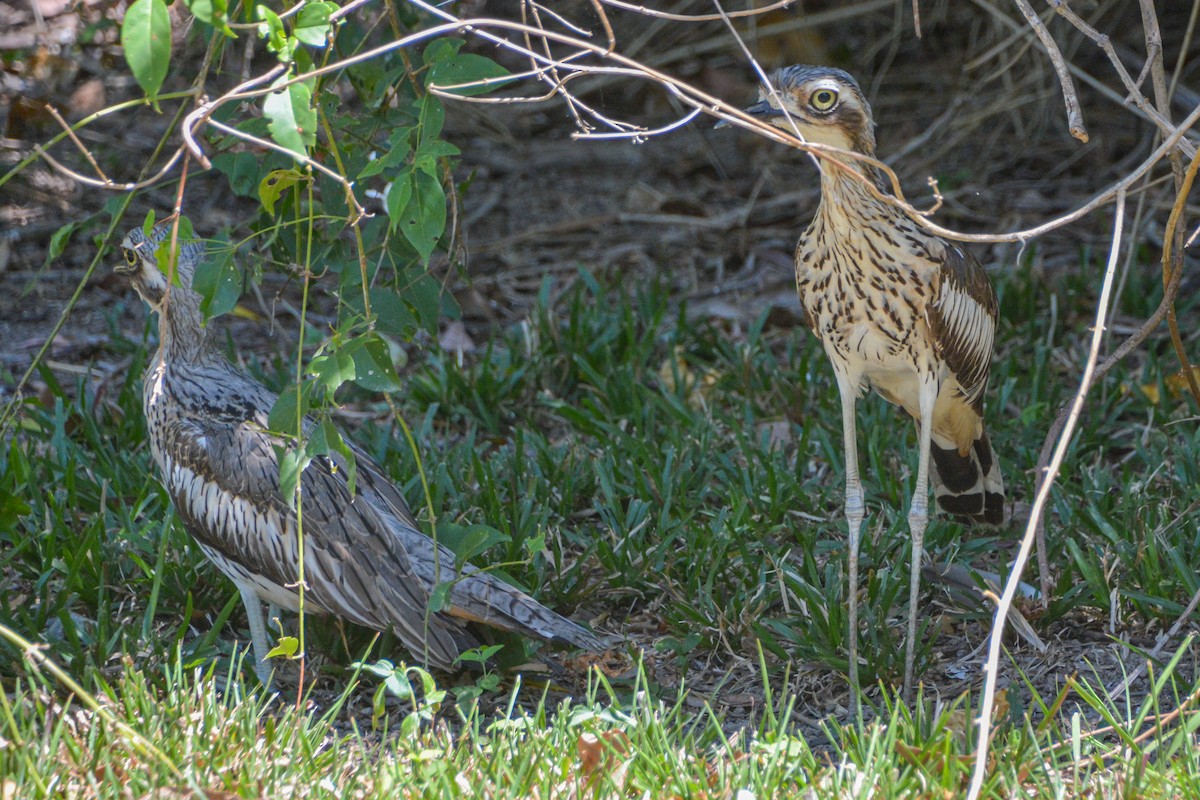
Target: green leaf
{"type": "Point", "coordinates": [292, 464]}
{"type": "Point", "coordinates": [219, 281]}
{"type": "Point", "coordinates": [271, 29]}
{"type": "Point", "coordinates": [312, 24]}
{"type": "Point", "coordinates": [241, 169]}
{"type": "Point", "coordinates": [534, 545]}
{"type": "Point", "coordinates": [12, 508]}
{"type": "Point", "coordinates": [424, 218]}
{"type": "Point", "coordinates": [441, 49]}
{"type": "Point", "coordinates": [327, 440]}
{"type": "Point", "coordinates": [275, 183]}
{"type": "Point", "coordinates": [391, 311]}
{"type": "Point", "coordinates": [391, 314]}
{"type": "Point", "coordinates": [468, 68]}
{"type": "Point", "coordinates": [287, 647]}
{"type": "Point", "coordinates": [481, 654]}
{"type": "Point", "coordinates": [399, 150]}
{"type": "Point", "coordinates": [398, 196]}
{"type": "Point", "coordinates": [439, 598]}
{"type": "Point", "coordinates": [291, 404]}
{"type": "Point", "coordinates": [166, 258]}
{"type": "Point", "coordinates": [213, 12]}
{"type": "Point", "coordinates": [424, 294]}
{"type": "Point", "coordinates": [468, 541]}
{"type": "Point", "coordinates": [438, 148]}
{"type": "Point", "coordinates": [293, 121]}
{"type": "Point", "coordinates": [430, 118]}
{"type": "Point", "coordinates": [332, 370]}
{"type": "Point", "coordinates": [399, 685]}
{"type": "Point", "coordinates": [373, 369]}
{"type": "Point", "coordinates": [146, 39]}
{"type": "Point", "coordinates": [58, 242]}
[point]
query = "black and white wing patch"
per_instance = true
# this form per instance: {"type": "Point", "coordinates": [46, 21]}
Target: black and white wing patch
{"type": "Point", "coordinates": [962, 321]}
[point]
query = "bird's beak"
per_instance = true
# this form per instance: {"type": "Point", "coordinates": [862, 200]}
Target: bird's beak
{"type": "Point", "coordinates": [760, 109]}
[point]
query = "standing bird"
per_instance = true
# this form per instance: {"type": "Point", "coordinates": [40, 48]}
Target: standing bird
{"type": "Point", "coordinates": [899, 310]}
{"type": "Point", "coordinates": [365, 560]}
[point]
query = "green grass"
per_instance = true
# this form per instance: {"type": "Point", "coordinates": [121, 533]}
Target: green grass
{"type": "Point", "coordinates": [179, 731]}
{"type": "Point", "coordinates": [622, 453]}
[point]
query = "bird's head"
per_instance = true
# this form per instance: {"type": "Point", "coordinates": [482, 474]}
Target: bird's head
{"type": "Point", "coordinates": [825, 104]}
{"type": "Point", "coordinates": [141, 263]}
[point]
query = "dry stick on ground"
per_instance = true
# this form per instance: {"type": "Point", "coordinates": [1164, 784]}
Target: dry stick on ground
{"type": "Point", "coordinates": [1156, 729]}
{"type": "Point", "coordinates": [992, 667]}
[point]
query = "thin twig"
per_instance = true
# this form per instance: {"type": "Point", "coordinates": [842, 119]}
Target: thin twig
{"type": "Point", "coordinates": [1172, 259]}
{"type": "Point", "coordinates": [687, 94]}
{"type": "Point", "coordinates": [1074, 113]}
{"type": "Point", "coordinates": [1156, 729]}
{"type": "Point", "coordinates": [75, 139]}
{"type": "Point", "coordinates": [650, 12]}
{"type": "Point", "coordinates": [58, 166]}
{"type": "Point", "coordinates": [1172, 264]}
{"type": "Point", "coordinates": [1105, 44]}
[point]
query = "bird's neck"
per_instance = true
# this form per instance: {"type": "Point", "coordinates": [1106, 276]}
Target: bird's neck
{"type": "Point", "coordinates": [182, 333]}
{"type": "Point", "coordinates": [845, 178]}
{"type": "Point", "coordinates": [844, 189]}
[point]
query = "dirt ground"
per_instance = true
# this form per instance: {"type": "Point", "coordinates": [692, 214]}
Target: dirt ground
{"type": "Point", "coordinates": [716, 211]}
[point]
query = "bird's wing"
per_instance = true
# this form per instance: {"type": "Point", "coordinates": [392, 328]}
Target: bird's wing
{"type": "Point", "coordinates": [962, 320]}
{"type": "Point", "coordinates": [356, 566]}
{"type": "Point", "coordinates": [373, 482]}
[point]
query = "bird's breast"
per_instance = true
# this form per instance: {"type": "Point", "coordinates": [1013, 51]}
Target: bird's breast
{"type": "Point", "coordinates": [865, 293]}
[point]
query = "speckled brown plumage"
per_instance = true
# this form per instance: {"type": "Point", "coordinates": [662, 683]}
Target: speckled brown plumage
{"type": "Point", "coordinates": [365, 558]}
{"type": "Point", "coordinates": [898, 310]}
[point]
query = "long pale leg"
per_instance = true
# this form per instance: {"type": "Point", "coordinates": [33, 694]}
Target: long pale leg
{"type": "Point", "coordinates": [258, 631]}
{"type": "Point", "coordinates": [855, 511]}
{"type": "Point", "coordinates": [918, 518]}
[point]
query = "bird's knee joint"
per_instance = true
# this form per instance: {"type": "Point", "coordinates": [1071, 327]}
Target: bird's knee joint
{"type": "Point", "coordinates": [855, 508]}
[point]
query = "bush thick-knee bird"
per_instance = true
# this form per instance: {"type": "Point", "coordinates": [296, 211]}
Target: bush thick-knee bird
{"type": "Point", "coordinates": [897, 309]}
{"type": "Point", "coordinates": [365, 559]}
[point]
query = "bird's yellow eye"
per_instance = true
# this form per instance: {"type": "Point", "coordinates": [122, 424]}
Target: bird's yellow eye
{"type": "Point", "coordinates": [823, 99]}
{"type": "Point", "coordinates": [131, 258]}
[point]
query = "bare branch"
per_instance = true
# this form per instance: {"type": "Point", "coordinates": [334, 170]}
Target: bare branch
{"type": "Point", "coordinates": [650, 12]}
{"type": "Point", "coordinates": [1105, 43]}
{"type": "Point", "coordinates": [1074, 113]}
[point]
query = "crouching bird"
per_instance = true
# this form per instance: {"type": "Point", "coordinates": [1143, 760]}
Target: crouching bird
{"type": "Point", "coordinates": [897, 309]}
{"type": "Point", "coordinates": [365, 559]}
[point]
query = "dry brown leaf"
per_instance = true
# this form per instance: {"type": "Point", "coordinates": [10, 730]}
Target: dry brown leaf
{"type": "Point", "coordinates": [676, 374]}
{"type": "Point", "coordinates": [88, 98]}
{"type": "Point", "coordinates": [603, 755]}
{"type": "Point", "coordinates": [455, 339]}
{"type": "Point", "coordinates": [1176, 383]}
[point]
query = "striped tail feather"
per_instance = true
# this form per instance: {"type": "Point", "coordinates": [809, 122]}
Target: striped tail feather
{"type": "Point", "coordinates": [968, 487]}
